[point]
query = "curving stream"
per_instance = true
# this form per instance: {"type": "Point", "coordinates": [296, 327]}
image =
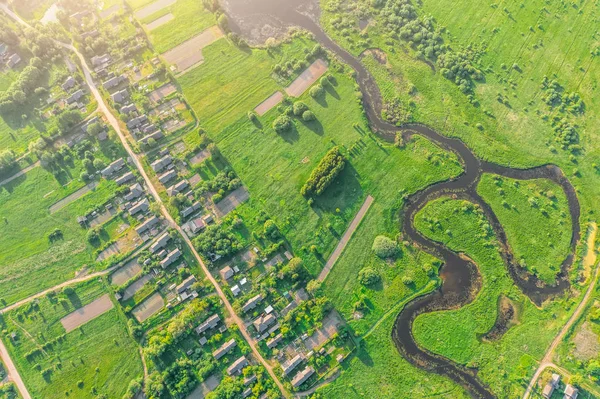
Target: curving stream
{"type": "Point", "coordinates": [461, 280]}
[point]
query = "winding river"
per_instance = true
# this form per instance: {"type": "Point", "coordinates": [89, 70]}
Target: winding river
{"type": "Point", "coordinates": [461, 280]}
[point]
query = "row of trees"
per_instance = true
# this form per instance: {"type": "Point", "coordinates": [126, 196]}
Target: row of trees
{"type": "Point", "coordinates": [27, 84]}
{"type": "Point", "coordinates": [323, 175]}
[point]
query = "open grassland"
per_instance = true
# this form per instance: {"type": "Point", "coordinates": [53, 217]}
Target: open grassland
{"type": "Point", "coordinates": [191, 18]}
{"type": "Point", "coordinates": [31, 9]}
{"type": "Point", "coordinates": [30, 260]}
{"type": "Point", "coordinates": [98, 358]}
{"type": "Point", "coordinates": [536, 219]}
{"type": "Point", "coordinates": [506, 362]}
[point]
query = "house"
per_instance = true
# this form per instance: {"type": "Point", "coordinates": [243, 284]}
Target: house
{"type": "Point", "coordinates": [127, 177]}
{"type": "Point", "coordinates": [196, 225]}
{"type": "Point", "coordinates": [302, 376]}
{"type": "Point", "coordinates": [135, 191]}
{"type": "Point", "coordinates": [98, 60]}
{"type": "Point", "coordinates": [69, 83]}
{"type": "Point", "coordinates": [120, 96]}
{"type": "Point", "coordinates": [149, 128]}
{"type": "Point", "coordinates": [147, 225]}
{"type": "Point", "coordinates": [113, 167]}
{"type": "Point", "coordinates": [237, 366]}
{"type": "Point", "coordinates": [208, 218]}
{"type": "Point", "coordinates": [224, 349]}
{"type": "Point", "coordinates": [3, 49]}
{"type": "Point", "coordinates": [135, 122]}
{"type": "Point", "coordinates": [190, 209]}
{"type": "Point", "coordinates": [171, 258]}
{"type": "Point", "coordinates": [177, 188]}
{"type": "Point", "coordinates": [235, 290]}
{"type": "Point", "coordinates": [264, 322]}
{"type": "Point", "coordinates": [185, 284]}
{"type": "Point", "coordinates": [209, 324]}
{"type": "Point", "coordinates": [291, 364]}
{"type": "Point", "coordinates": [551, 386]}
{"type": "Point", "coordinates": [167, 176]}
{"type": "Point", "coordinates": [226, 272]}
{"type": "Point", "coordinates": [274, 341]}
{"type": "Point", "coordinates": [247, 392]}
{"type": "Point", "coordinates": [84, 127]}
{"type": "Point", "coordinates": [250, 380]}
{"type": "Point", "coordinates": [161, 163]}
{"type": "Point", "coordinates": [140, 206]}
{"type": "Point", "coordinates": [13, 60]}
{"type": "Point", "coordinates": [73, 98]}
{"type": "Point", "coordinates": [157, 135]}
{"type": "Point", "coordinates": [160, 242]}
{"type": "Point", "coordinates": [571, 392]}
{"type": "Point", "coordinates": [113, 82]}
{"type": "Point", "coordinates": [127, 109]}
{"type": "Point", "coordinates": [252, 303]}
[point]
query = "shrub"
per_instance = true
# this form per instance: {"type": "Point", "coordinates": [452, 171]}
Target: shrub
{"type": "Point", "coordinates": [316, 91]}
{"type": "Point", "coordinates": [385, 247]}
{"type": "Point", "coordinates": [368, 276]}
{"type": "Point", "coordinates": [68, 291]}
{"type": "Point", "coordinates": [282, 124]}
{"type": "Point", "coordinates": [323, 175]}
{"type": "Point", "coordinates": [308, 116]}
{"type": "Point", "coordinates": [300, 108]}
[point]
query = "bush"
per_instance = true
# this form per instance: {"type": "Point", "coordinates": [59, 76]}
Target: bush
{"type": "Point", "coordinates": [93, 237]}
{"type": "Point", "coordinates": [316, 91]}
{"type": "Point", "coordinates": [323, 175]}
{"type": "Point", "coordinates": [384, 247]}
{"type": "Point", "coordinates": [368, 276]}
{"type": "Point", "coordinates": [282, 124]}
{"type": "Point", "coordinates": [308, 116]}
{"type": "Point", "coordinates": [300, 108]}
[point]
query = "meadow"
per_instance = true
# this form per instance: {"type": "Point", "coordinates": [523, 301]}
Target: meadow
{"type": "Point", "coordinates": [98, 358]}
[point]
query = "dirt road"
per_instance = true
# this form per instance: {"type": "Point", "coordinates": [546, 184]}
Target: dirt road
{"type": "Point", "coordinates": [20, 173]}
{"type": "Point", "coordinates": [13, 374]}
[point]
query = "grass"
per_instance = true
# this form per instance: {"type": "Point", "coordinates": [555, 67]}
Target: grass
{"type": "Point", "coordinates": [99, 356]}
{"type": "Point", "coordinates": [536, 219]}
{"type": "Point", "coordinates": [191, 18]}
{"type": "Point", "coordinates": [31, 9]}
{"type": "Point", "coordinates": [506, 363]}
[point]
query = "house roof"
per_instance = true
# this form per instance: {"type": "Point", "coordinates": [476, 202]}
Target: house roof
{"type": "Point", "coordinates": [124, 179]}
{"type": "Point", "coordinates": [160, 242]}
{"type": "Point", "coordinates": [291, 364]}
{"type": "Point", "coordinates": [252, 302]}
{"type": "Point", "coordinates": [263, 322]}
{"type": "Point", "coordinates": [224, 349]}
{"type": "Point", "coordinates": [185, 284]}
{"type": "Point", "coordinates": [147, 225]}
{"type": "Point", "coordinates": [208, 324]}
{"type": "Point", "coordinates": [140, 206]}
{"type": "Point", "coordinates": [302, 376]}
{"type": "Point", "coordinates": [237, 365]}
{"type": "Point", "coordinates": [274, 341]}
{"type": "Point", "coordinates": [171, 257]}
{"type": "Point", "coordinates": [161, 163]}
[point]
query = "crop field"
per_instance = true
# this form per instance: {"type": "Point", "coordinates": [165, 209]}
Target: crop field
{"type": "Point", "coordinates": [189, 19]}
{"type": "Point", "coordinates": [536, 219]}
{"type": "Point", "coordinates": [98, 358]}
{"type": "Point", "coordinates": [31, 261]}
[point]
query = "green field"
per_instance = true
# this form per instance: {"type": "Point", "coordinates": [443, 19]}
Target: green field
{"type": "Point", "coordinates": [97, 358]}
{"type": "Point", "coordinates": [191, 18]}
{"type": "Point", "coordinates": [535, 217]}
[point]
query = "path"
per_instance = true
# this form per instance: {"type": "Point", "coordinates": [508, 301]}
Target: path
{"type": "Point", "coordinates": [547, 359]}
{"type": "Point", "coordinates": [20, 173]}
{"type": "Point", "coordinates": [12, 373]}
{"type": "Point", "coordinates": [345, 238]}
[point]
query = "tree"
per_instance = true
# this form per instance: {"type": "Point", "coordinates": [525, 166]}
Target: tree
{"type": "Point", "coordinates": [384, 247]}
{"type": "Point", "coordinates": [316, 91]}
{"type": "Point", "coordinates": [282, 124]}
{"type": "Point", "coordinates": [368, 276]}
{"type": "Point", "coordinates": [308, 116]}
{"type": "Point", "coordinates": [271, 230]}
{"type": "Point", "coordinates": [67, 120]}
{"type": "Point", "coordinates": [223, 22]}
{"type": "Point", "coordinates": [94, 129]}
{"type": "Point", "coordinates": [99, 164]}
{"type": "Point", "coordinates": [299, 108]}
{"type": "Point", "coordinates": [93, 236]}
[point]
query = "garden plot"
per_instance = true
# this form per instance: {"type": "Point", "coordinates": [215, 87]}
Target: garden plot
{"type": "Point", "coordinates": [124, 244]}
{"type": "Point", "coordinates": [189, 53]}
{"type": "Point", "coordinates": [209, 385]}
{"type": "Point", "coordinates": [160, 21]}
{"type": "Point", "coordinates": [162, 92]}
{"type": "Point", "coordinates": [110, 11]}
{"type": "Point", "coordinates": [269, 103]}
{"type": "Point", "coordinates": [232, 201]}
{"type": "Point", "coordinates": [153, 7]}
{"type": "Point", "coordinates": [325, 333]}
{"type": "Point", "coordinates": [126, 273]}
{"type": "Point", "coordinates": [173, 124]}
{"type": "Point", "coordinates": [103, 217]}
{"type": "Point", "coordinates": [148, 308]}
{"type": "Point", "coordinates": [87, 313]}
{"type": "Point", "coordinates": [72, 197]}
{"type": "Point", "coordinates": [200, 157]}
{"type": "Point", "coordinates": [137, 285]}
{"type": "Point", "coordinates": [170, 105]}
{"type": "Point", "coordinates": [307, 78]}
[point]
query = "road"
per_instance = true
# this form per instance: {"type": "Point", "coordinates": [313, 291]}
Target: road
{"type": "Point", "coordinates": [20, 173]}
{"type": "Point", "coordinates": [11, 371]}
{"type": "Point", "coordinates": [112, 120]}
{"type": "Point", "coordinates": [547, 359]}
{"type": "Point", "coordinates": [345, 238]}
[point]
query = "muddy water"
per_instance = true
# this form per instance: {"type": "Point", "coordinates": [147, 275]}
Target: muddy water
{"type": "Point", "coordinates": [461, 280]}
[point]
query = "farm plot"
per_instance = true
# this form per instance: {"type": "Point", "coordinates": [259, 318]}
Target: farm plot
{"type": "Point", "coordinates": [209, 385]}
{"type": "Point", "coordinates": [153, 8]}
{"type": "Point", "coordinates": [331, 322]}
{"type": "Point", "coordinates": [232, 201]}
{"type": "Point", "coordinates": [148, 308]}
{"type": "Point", "coordinates": [269, 103]}
{"type": "Point", "coordinates": [135, 287]}
{"type": "Point", "coordinates": [200, 157]}
{"type": "Point", "coordinates": [87, 313]}
{"type": "Point", "coordinates": [72, 197]}
{"type": "Point", "coordinates": [189, 53]}
{"type": "Point", "coordinates": [162, 92]}
{"type": "Point", "coordinates": [160, 21]}
{"type": "Point", "coordinates": [125, 273]}
{"type": "Point", "coordinates": [307, 78]}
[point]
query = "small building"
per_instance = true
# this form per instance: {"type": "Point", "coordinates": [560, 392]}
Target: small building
{"type": "Point", "coordinates": [13, 60]}
{"type": "Point", "coordinates": [157, 135]}
{"type": "Point", "coordinates": [202, 341]}
{"type": "Point", "coordinates": [167, 176]}
{"type": "Point", "coordinates": [226, 272]}
{"type": "Point", "coordinates": [98, 60]}
{"type": "Point", "coordinates": [196, 225]}
{"type": "Point", "coordinates": [252, 303]}
{"type": "Point", "coordinates": [69, 83]}
{"type": "Point", "coordinates": [235, 290]}
{"type": "Point", "coordinates": [140, 206]}
{"type": "Point", "coordinates": [190, 209]}
{"type": "Point", "coordinates": [177, 188]}
{"type": "Point", "coordinates": [264, 322]}
{"type": "Point", "coordinates": [291, 364]}
{"type": "Point", "coordinates": [269, 309]}
{"type": "Point", "coordinates": [571, 392]}
{"type": "Point", "coordinates": [247, 392]}
{"type": "Point", "coordinates": [237, 366]}
{"type": "Point", "coordinates": [126, 178]}
{"type": "Point", "coordinates": [302, 376]}
{"type": "Point", "coordinates": [161, 163]}
{"type": "Point", "coordinates": [84, 127]}
{"type": "Point", "coordinates": [551, 386]}
{"type": "Point", "coordinates": [113, 167]}
{"type": "Point", "coordinates": [249, 380]}
{"type": "Point", "coordinates": [128, 109]}
{"type": "Point", "coordinates": [113, 82]}
{"type": "Point", "coordinates": [135, 122]}
{"type": "Point", "coordinates": [160, 242]}
{"type": "Point", "coordinates": [209, 324]}
{"type": "Point", "coordinates": [147, 225]}
{"type": "Point", "coordinates": [224, 349]}
{"type": "Point", "coordinates": [135, 191]}
{"type": "Point", "coordinates": [185, 284]}
{"type": "Point", "coordinates": [273, 342]}
{"type": "Point", "coordinates": [171, 258]}
{"type": "Point", "coordinates": [73, 98]}
{"type": "Point", "coordinates": [120, 96]}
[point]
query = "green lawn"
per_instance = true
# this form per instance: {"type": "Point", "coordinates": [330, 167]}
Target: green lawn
{"type": "Point", "coordinates": [97, 358]}
{"type": "Point", "coordinates": [506, 363]}
{"type": "Point", "coordinates": [536, 219]}
{"type": "Point", "coordinates": [191, 18]}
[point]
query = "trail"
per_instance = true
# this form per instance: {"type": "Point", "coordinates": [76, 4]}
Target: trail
{"type": "Point", "coordinates": [20, 173]}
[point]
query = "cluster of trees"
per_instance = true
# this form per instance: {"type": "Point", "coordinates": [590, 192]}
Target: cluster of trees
{"type": "Point", "coordinates": [566, 134]}
{"type": "Point", "coordinates": [7, 160]}
{"type": "Point", "coordinates": [20, 91]}
{"type": "Point", "coordinates": [368, 276]}
{"type": "Point", "coordinates": [384, 247]}
{"type": "Point", "coordinates": [218, 240]}
{"type": "Point", "coordinates": [178, 380]}
{"type": "Point", "coordinates": [323, 175]}
{"type": "Point", "coordinates": [285, 69]}
{"type": "Point", "coordinates": [293, 271]}
{"type": "Point", "coordinates": [396, 112]}
{"type": "Point", "coordinates": [556, 97]}
{"type": "Point", "coordinates": [458, 67]}
{"type": "Point", "coordinates": [224, 182]}
{"type": "Point", "coordinates": [282, 124]}
{"type": "Point", "coordinates": [308, 313]}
